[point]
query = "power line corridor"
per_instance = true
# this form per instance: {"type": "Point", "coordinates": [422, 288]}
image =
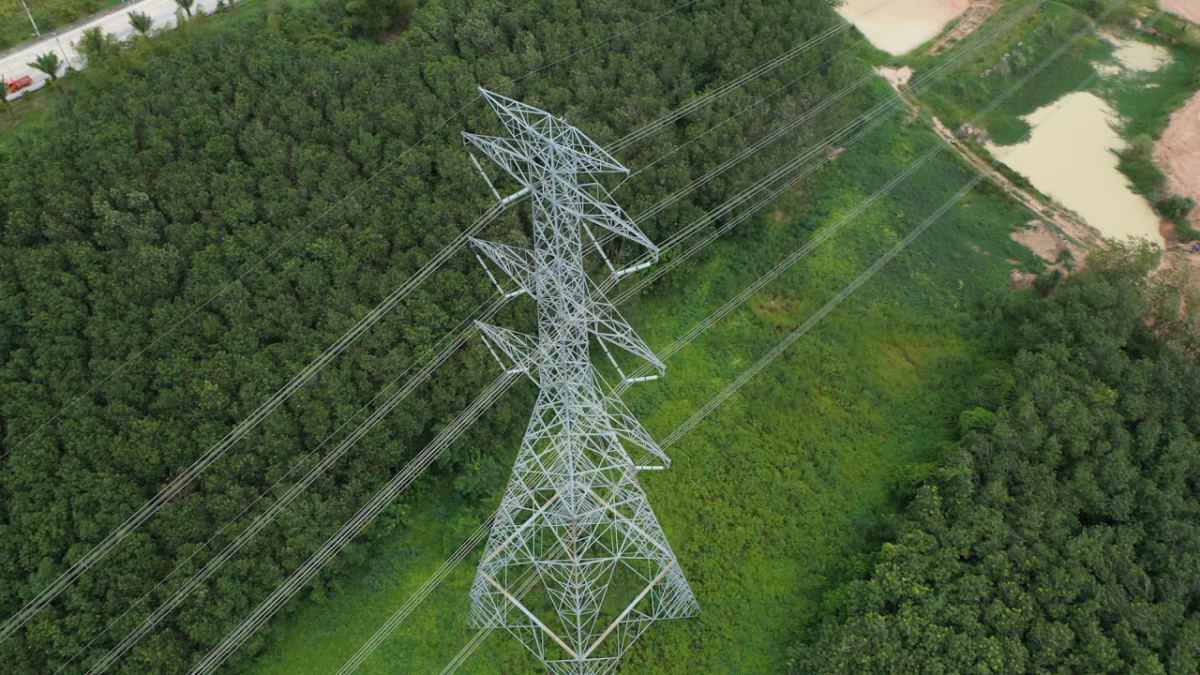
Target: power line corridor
{"type": "Point", "coordinates": [575, 530]}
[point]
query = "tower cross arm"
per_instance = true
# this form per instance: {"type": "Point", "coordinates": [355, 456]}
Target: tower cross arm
{"type": "Point", "coordinates": [526, 122]}
{"type": "Point", "coordinates": [520, 348]}
{"type": "Point", "coordinates": [517, 263]}
{"type": "Point", "coordinates": [512, 155]}
{"type": "Point", "coordinates": [603, 321]}
{"type": "Point", "coordinates": [608, 216]}
{"type": "Point", "coordinates": [625, 425]}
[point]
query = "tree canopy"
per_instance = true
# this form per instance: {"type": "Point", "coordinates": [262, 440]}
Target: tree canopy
{"type": "Point", "coordinates": [1063, 534]}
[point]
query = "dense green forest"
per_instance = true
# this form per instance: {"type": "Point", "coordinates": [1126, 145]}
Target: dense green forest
{"type": "Point", "coordinates": [1061, 534]}
{"type": "Point", "coordinates": [172, 166]}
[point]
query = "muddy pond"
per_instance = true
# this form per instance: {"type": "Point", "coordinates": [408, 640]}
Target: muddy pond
{"type": "Point", "coordinates": [1069, 158]}
{"type": "Point", "coordinates": [899, 26]}
{"type": "Point", "coordinates": [1069, 155]}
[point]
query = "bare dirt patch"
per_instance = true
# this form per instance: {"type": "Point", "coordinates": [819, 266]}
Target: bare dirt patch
{"type": "Point", "coordinates": [1022, 280]}
{"type": "Point", "coordinates": [1178, 152]}
{"type": "Point", "coordinates": [897, 77]}
{"type": "Point", "coordinates": [968, 23]}
{"type": "Point", "coordinates": [1046, 243]}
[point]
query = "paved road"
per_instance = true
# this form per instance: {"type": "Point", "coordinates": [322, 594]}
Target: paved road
{"type": "Point", "coordinates": [162, 11]}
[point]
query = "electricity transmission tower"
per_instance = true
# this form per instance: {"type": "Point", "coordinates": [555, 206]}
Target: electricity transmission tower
{"type": "Point", "coordinates": [576, 566]}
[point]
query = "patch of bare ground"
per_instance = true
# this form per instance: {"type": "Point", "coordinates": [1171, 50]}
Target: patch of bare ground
{"type": "Point", "coordinates": [1046, 243]}
{"type": "Point", "coordinates": [1049, 245]}
{"type": "Point", "coordinates": [897, 77]}
{"type": "Point", "coordinates": [1176, 254]}
{"type": "Point", "coordinates": [1188, 9]}
{"type": "Point", "coordinates": [968, 23]}
{"type": "Point", "coordinates": [1183, 269]}
{"type": "Point", "coordinates": [1177, 153]}
{"type": "Point", "coordinates": [1021, 280]}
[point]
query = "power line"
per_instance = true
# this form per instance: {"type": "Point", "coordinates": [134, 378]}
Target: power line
{"type": "Point", "coordinates": [452, 343]}
{"type": "Point", "coordinates": [180, 482]}
{"type": "Point", "coordinates": [849, 133]}
{"type": "Point", "coordinates": [692, 421]}
{"type": "Point", "coordinates": [719, 92]}
{"type": "Point", "coordinates": [334, 545]}
{"type": "Point", "coordinates": [151, 621]}
{"type": "Point", "coordinates": [312, 369]}
{"type": "Point", "coordinates": [268, 607]}
{"type": "Point", "coordinates": [788, 341]}
{"type": "Point", "coordinates": [7, 628]}
{"type": "Point", "coordinates": [77, 569]}
{"type": "Point", "coordinates": [5, 631]}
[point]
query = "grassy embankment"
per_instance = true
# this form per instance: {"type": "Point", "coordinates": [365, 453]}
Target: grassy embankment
{"type": "Point", "coordinates": [772, 497]}
{"type": "Point", "coordinates": [1005, 60]}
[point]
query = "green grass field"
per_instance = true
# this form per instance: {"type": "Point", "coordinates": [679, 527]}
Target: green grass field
{"type": "Point", "coordinates": [772, 497]}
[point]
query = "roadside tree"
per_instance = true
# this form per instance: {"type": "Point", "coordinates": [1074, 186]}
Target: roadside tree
{"type": "Point", "coordinates": [141, 22]}
{"type": "Point", "coordinates": [96, 47]}
{"type": "Point", "coordinates": [49, 64]}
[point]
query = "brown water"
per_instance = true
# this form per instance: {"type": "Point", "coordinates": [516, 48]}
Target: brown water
{"type": "Point", "coordinates": [901, 25]}
{"type": "Point", "coordinates": [1133, 58]}
{"type": "Point", "coordinates": [1069, 158]}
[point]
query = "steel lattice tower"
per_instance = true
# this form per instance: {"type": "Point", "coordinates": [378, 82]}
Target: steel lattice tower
{"type": "Point", "coordinates": [576, 566]}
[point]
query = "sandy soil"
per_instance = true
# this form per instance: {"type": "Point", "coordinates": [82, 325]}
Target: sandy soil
{"type": "Point", "coordinates": [1188, 9]}
{"type": "Point", "coordinates": [1178, 152]}
{"type": "Point", "coordinates": [1046, 243]}
{"type": "Point", "coordinates": [1021, 280]}
{"type": "Point", "coordinates": [897, 77]}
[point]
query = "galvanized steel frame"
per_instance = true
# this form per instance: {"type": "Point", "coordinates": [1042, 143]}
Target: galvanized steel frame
{"type": "Point", "coordinates": [576, 566]}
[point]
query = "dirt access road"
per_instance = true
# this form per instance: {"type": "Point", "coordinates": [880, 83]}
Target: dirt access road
{"type": "Point", "coordinates": [1178, 153]}
{"type": "Point", "coordinates": [15, 64]}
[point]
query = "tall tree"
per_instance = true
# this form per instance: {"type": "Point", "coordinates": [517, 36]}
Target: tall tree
{"type": "Point", "coordinates": [141, 22]}
{"type": "Point", "coordinates": [186, 5]}
{"type": "Point", "coordinates": [96, 46]}
{"type": "Point", "coordinates": [49, 64]}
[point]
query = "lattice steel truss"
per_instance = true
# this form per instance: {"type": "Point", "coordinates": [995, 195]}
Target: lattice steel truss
{"type": "Point", "coordinates": [576, 566]}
